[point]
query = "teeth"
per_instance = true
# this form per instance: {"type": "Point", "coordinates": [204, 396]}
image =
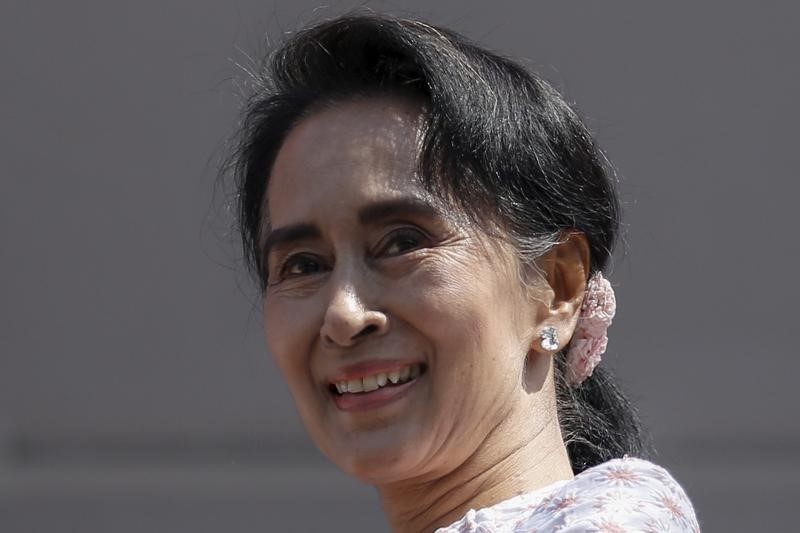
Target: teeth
{"type": "Point", "coordinates": [355, 385]}
{"type": "Point", "coordinates": [371, 383]}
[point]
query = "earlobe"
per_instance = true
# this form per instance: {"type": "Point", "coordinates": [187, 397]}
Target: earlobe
{"type": "Point", "coordinates": [549, 337]}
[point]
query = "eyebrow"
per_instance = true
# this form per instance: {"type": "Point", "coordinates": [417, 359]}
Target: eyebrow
{"type": "Point", "coordinates": [397, 208]}
{"type": "Point", "coordinates": [369, 215]}
{"type": "Point", "coordinates": [288, 234]}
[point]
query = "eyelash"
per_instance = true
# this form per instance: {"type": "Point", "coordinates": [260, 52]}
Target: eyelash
{"type": "Point", "coordinates": [407, 234]}
{"type": "Point", "coordinates": [297, 259]}
{"type": "Point", "coordinates": [395, 237]}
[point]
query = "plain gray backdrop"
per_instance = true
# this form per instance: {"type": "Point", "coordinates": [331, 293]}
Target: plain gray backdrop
{"type": "Point", "coordinates": [136, 393]}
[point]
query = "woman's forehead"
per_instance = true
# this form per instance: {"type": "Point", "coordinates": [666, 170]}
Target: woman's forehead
{"type": "Point", "coordinates": [350, 153]}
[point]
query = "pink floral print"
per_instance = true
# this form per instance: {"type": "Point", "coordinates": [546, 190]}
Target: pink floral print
{"type": "Point", "coordinates": [619, 496]}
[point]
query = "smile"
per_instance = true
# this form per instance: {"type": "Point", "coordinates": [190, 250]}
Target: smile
{"type": "Point", "coordinates": [376, 390]}
{"type": "Point", "coordinates": [381, 379]}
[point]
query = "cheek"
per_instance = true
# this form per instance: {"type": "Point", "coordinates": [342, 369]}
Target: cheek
{"type": "Point", "coordinates": [462, 297]}
{"type": "Point", "coordinates": [462, 310]}
{"type": "Point", "coordinates": [469, 311]}
{"type": "Point", "coordinates": [290, 332]}
{"type": "Point", "coordinates": [475, 370]}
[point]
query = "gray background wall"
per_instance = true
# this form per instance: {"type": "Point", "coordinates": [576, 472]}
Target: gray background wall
{"type": "Point", "coordinates": [135, 390]}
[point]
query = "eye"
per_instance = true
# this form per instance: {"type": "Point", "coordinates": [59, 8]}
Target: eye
{"type": "Point", "coordinates": [300, 265]}
{"type": "Point", "coordinates": [401, 241]}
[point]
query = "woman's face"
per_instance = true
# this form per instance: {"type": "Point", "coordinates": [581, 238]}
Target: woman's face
{"type": "Point", "coordinates": [401, 334]}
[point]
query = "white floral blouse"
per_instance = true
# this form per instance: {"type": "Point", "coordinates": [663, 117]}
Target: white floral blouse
{"type": "Point", "coordinates": [621, 495]}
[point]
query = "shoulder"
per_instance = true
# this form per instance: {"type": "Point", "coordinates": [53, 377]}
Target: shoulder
{"type": "Point", "coordinates": [619, 495]}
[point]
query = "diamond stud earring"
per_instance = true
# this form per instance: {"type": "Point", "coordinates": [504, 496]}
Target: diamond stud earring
{"type": "Point", "coordinates": [549, 339]}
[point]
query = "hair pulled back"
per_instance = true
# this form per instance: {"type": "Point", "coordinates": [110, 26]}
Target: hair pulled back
{"type": "Point", "coordinates": [498, 142]}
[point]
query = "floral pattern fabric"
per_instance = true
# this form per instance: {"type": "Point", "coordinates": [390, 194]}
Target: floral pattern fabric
{"type": "Point", "coordinates": [621, 495]}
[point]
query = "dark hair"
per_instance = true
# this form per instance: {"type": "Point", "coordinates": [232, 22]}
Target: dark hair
{"type": "Point", "coordinates": [497, 139]}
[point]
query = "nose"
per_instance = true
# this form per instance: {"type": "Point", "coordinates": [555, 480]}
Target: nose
{"type": "Point", "coordinates": [348, 320]}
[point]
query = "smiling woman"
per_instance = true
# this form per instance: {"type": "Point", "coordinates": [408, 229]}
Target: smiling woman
{"type": "Point", "coordinates": [428, 222]}
{"type": "Point", "coordinates": [385, 285]}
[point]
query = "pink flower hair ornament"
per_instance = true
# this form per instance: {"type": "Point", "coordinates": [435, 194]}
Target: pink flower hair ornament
{"type": "Point", "coordinates": [589, 339]}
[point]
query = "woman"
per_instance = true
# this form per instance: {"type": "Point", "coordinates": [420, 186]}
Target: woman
{"type": "Point", "coordinates": [429, 223]}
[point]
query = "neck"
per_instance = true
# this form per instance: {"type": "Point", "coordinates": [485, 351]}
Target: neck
{"type": "Point", "coordinates": [510, 462]}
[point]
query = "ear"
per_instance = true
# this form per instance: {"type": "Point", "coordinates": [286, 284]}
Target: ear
{"type": "Point", "coordinates": [566, 269]}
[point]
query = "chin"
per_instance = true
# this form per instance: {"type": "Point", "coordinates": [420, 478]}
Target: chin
{"type": "Point", "coordinates": [379, 459]}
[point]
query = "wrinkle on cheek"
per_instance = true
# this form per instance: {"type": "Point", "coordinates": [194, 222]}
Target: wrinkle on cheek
{"type": "Point", "coordinates": [465, 274]}
{"type": "Point", "coordinates": [473, 288]}
{"type": "Point", "coordinates": [289, 291]}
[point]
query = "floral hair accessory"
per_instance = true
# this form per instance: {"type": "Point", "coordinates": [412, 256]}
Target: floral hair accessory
{"type": "Point", "coordinates": [589, 340]}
